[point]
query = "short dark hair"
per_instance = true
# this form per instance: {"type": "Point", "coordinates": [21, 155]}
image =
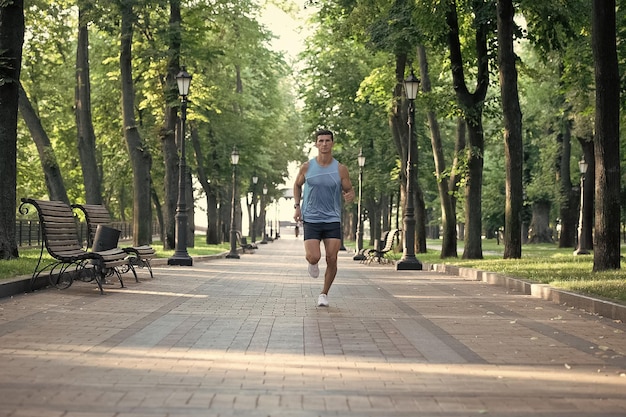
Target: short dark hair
{"type": "Point", "coordinates": [323, 132]}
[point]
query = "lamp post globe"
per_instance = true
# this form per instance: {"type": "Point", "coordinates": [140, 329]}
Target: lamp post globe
{"type": "Point", "coordinates": [181, 257]}
{"type": "Point", "coordinates": [408, 260]}
{"type": "Point", "coordinates": [359, 226]}
{"type": "Point", "coordinates": [582, 248]}
{"type": "Point", "coordinates": [234, 160]}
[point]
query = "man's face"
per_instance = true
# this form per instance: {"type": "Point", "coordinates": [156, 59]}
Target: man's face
{"type": "Point", "coordinates": [324, 143]}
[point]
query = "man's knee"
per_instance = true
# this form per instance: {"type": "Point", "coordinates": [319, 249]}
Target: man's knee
{"type": "Point", "coordinates": [331, 259]}
{"type": "Point", "coordinates": [312, 258]}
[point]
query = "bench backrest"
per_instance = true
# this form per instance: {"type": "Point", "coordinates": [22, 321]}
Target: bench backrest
{"type": "Point", "coordinates": [95, 215]}
{"type": "Point", "coordinates": [389, 240]}
{"type": "Point", "coordinates": [58, 226]}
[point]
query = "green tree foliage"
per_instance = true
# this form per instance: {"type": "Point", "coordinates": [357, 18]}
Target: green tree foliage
{"type": "Point", "coordinates": [48, 78]}
{"type": "Point", "coordinates": [240, 93]}
{"type": "Point", "coordinates": [345, 87]}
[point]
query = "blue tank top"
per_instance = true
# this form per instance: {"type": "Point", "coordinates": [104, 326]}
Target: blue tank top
{"type": "Point", "coordinates": [321, 198]}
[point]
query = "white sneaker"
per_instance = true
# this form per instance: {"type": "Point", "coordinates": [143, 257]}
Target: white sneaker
{"type": "Point", "coordinates": [322, 300]}
{"type": "Point", "coordinates": [314, 270]}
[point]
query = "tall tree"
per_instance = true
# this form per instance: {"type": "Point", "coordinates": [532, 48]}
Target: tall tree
{"type": "Point", "coordinates": [460, 141]}
{"type": "Point", "coordinates": [51, 169]}
{"type": "Point", "coordinates": [140, 157]}
{"type": "Point", "coordinates": [167, 132]}
{"type": "Point", "coordinates": [513, 149]}
{"type": "Point", "coordinates": [11, 41]}
{"type": "Point", "coordinates": [448, 212]}
{"type": "Point", "coordinates": [471, 103]}
{"type": "Point", "coordinates": [86, 135]}
{"type": "Point", "coordinates": [394, 30]}
{"type": "Point", "coordinates": [606, 253]}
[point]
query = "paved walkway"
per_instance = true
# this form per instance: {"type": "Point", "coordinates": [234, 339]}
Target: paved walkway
{"type": "Point", "coordinates": [244, 338]}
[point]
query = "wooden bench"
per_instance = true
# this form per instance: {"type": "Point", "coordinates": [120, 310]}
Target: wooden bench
{"type": "Point", "coordinates": [244, 245]}
{"type": "Point", "coordinates": [379, 254]}
{"type": "Point", "coordinates": [70, 260]}
{"type": "Point", "coordinates": [369, 252]}
{"type": "Point", "coordinates": [98, 215]}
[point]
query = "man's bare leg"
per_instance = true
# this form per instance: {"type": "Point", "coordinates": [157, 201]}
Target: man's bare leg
{"type": "Point", "coordinates": [331, 247]}
{"type": "Point", "coordinates": [312, 251]}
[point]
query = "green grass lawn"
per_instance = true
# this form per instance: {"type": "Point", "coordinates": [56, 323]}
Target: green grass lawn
{"type": "Point", "coordinates": [544, 263]}
{"type": "Point", "coordinates": [25, 264]}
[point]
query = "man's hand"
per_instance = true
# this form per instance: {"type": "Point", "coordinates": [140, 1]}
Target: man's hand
{"type": "Point", "coordinates": [348, 196]}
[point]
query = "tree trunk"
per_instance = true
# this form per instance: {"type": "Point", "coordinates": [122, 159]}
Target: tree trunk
{"type": "Point", "coordinates": [448, 216]}
{"type": "Point", "coordinates": [385, 211]}
{"type": "Point", "coordinates": [473, 193]}
{"type": "Point", "coordinates": [11, 41]}
{"type": "Point", "coordinates": [472, 106]}
{"type": "Point", "coordinates": [168, 130]}
{"type": "Point", "coordinates": [513, 147]}
{"type": "Point", "coordinates": [158, 210]}
{"type": "Point", "coordinates": [212, 234]}
{"type": "Point", "coordinates": [139, 152]}
{"type": "Point", "coordinates": [49, 164]}
{"type": "Point", "coordinates": [86, 135]}
{"type": "Point", "coordinates": [420, 215]}
{"type": "Point", "coordinates": [569, 198]}
{"type": "Point", "coordinates": [374, 210]}
{"type": "Point", "coordinates": [540, 231]}
{"type": "Point", "coordinates": [455, 174]}
{"type": "Point", "coordinates": [606, 254]}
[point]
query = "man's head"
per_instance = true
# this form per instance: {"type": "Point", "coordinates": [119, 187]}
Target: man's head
{"type": "Point", "coordinates": [324, 132]}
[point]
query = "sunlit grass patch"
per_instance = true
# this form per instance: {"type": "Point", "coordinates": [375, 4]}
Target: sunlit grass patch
{"type": "Point", "coordinates": [597, 284]}
{"type": "Point", "coordinates": [546, 264]}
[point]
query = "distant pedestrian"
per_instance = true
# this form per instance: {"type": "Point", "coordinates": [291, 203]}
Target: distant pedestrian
{"type": "Point", "coordinates": [324, 180]}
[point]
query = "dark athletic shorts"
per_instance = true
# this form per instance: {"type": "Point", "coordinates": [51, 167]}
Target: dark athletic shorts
{"type": "Point", "coordinates": [321, 231]}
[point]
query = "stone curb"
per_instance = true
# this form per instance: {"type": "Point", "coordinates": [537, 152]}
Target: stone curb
{"type": "Point", "coordinates": [605, 308]}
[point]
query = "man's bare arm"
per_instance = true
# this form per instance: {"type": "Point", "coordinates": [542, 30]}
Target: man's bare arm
{"type": "Point", "coordinates": [346, 184]}
{"type": "Point", "coordinates": [297, 191]}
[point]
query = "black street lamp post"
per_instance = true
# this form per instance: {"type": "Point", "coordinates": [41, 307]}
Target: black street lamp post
{"type": "Point", "coordinates": [277, 221]}
{"type": "Point", "coordinates": [409, 261]}
{"type": "Point", "coordinates": [263, 197]}
{"type": "Point", "coordinates": [271, 223]}
{"type": "Point", "coordinates": [255, 179]}
{"type": "Point", "coordinates": [233, 254]}
{"type": "Point", "coordinates": [181, 257]}
{"type": "Point", "coordinates": [582, 236]}
{"type": "Point", "coordinates": [359, 226]}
